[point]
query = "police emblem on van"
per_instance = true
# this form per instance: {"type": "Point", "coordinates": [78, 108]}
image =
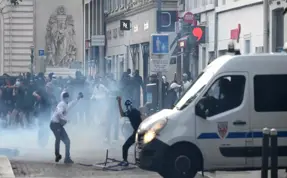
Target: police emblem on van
{"type": "Point", "coordinates": [222, 129]}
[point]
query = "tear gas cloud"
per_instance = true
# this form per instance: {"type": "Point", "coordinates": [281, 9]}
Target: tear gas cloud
{"type": "Point", "coordinates": [89, 122]}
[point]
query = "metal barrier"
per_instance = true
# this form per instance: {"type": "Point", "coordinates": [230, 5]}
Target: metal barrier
{"type": "Point", "coordinates": [269, 151]}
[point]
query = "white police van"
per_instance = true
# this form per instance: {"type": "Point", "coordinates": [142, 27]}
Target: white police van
{"type": "Point", "coordinates": [217, 124]}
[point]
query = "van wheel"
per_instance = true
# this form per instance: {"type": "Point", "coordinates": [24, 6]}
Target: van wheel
{"type": "Point", "coordinates": [182, 162]}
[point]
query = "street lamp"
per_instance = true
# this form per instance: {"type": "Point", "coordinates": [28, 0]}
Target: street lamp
{"type": "Point", "coordinates": [32, 59]}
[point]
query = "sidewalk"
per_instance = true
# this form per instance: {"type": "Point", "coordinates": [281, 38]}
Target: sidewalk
{"type": "Point", "coordinates": [6, 170]}
{"type": "Point", "coordinates": [242, 174]}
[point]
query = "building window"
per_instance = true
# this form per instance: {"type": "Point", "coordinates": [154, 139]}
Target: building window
{"type": "Point", "coordinates": [109, 34]}
{"type": "Point", "coordinates": [121, 32]}
{"type": "Point", "coordinates": [115, 33]}
{"type": "Point", "coordinates": [247, 47]}
{"type": "Point", "coordinates": [105, 5]}
{"type": "Point", "coordinates": [270, 93]}
{"type": "Point", "coordinates": [87, 21]}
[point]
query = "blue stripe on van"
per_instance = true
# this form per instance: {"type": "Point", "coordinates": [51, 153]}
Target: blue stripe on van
{"type": "Point", "coordinates": [235, 135]}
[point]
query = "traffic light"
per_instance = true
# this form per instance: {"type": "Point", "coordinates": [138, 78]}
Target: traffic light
{"type": "Point", "coordinates": [197, 34]}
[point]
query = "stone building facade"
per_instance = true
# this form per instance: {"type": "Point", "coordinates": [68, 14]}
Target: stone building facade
{"type": "Point", "coordinates": [55, 26]}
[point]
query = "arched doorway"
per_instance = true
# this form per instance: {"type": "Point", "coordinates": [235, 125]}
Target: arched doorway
{"type": "Point", "coordinates": [1, 45]}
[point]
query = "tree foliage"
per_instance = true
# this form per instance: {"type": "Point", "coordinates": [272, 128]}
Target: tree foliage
{"type": "Point", "coordinates": [15, 2]}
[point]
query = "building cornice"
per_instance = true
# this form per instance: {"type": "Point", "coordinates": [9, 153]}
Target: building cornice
{"type": "Point", "coordinates": [138, 9]}
{"type": "Point", "coordinates": [238, 5]}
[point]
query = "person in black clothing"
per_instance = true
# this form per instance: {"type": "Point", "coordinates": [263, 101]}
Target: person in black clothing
{"type": "Point", "coordinates": [45, 100]}
{"type": "Point", "coordinates": [19, 94]}
{"type": "Point", "coordinates": [134, 116]}
{"type": "Point", "coordinates": [137, 82]}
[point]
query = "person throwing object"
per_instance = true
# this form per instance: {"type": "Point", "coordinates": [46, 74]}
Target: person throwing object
{"type": "Point", "coordinates": [134, 116]}
{"type": "Point", "coordinates": [58, 121]}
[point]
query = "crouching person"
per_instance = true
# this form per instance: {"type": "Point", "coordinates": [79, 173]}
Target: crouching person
{"type": "Point", "coordinates": [58, 121]}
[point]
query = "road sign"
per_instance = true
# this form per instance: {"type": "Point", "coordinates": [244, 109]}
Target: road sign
{"type": "Point", "coordinates": [125, 25]}
{"type": "Point", "coordinates": [98, 40]}
{"type": "Point", "coordinates": [159, 64]}
{"type": "Point", "coordinates": [41, 52]}
{"type": "Point", "coordinates": [188, 18]}
{"type": "Point", "coordinates": [160, 44]}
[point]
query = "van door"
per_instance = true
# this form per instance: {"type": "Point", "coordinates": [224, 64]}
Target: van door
{"type": "Point", "coordinates": [269, 109]}
{"type": "Point", "coordinates": [222, 134]}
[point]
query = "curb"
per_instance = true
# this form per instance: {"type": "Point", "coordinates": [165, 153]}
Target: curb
{"type": "Point", "coordinates": [6, 170]}
{"type": "Point", "coordinates": [205, 175]}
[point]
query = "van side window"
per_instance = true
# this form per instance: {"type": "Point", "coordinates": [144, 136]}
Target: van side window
{"type": "Point", "coordinates": [270, 93]}
{"type": "Point", "coordinates": [225, 94]}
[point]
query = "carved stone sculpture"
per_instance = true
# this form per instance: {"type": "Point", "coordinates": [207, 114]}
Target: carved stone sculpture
{"type": "Point", "coordinates": [60, 39]}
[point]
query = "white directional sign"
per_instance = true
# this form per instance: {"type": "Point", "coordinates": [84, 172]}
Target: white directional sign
{"type": "Point", "coordinates": [159, 64]}
{"type": "Point", "coordinates": [98, 40]}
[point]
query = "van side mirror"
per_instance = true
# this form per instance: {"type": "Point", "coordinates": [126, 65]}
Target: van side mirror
{"type": "Point", "coordinates": [200, 110]}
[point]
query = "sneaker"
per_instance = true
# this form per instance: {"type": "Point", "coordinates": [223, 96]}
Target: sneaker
{"type": "Point", "coordinates": [124, 163]}
{"type": "Point", "coordinates": [68, 161]}
{"type": "Point", "coordinates": [58, 158]}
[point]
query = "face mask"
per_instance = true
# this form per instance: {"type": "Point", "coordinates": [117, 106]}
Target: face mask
{"type": "Point", "coordinates": [129, 108]}
{"type": "Point", "coordinates": [66, 100]}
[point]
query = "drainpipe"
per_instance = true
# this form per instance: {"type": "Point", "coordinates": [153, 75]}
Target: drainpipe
{"type": "Point", "coordinates": [215, 30]}
{"type": "Point", "coordinates": [266, 25]}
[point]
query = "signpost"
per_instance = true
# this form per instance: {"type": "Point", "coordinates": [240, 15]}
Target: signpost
{"type": "Point", "coordinates": [98, 40]}
{"type": "Point", "coordinates": [159, 60]}
{"type": "Point", "coordinates": [32, 48]}
{"type": "Point", "coordinates": [159, 47]}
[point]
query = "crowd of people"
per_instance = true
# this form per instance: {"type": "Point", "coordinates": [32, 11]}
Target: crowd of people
{"type": "Point", "coordinates": [24, 98]}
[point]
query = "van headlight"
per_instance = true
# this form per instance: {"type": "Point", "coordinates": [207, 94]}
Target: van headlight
{"type": "Point", "coordinates": [154, 129]}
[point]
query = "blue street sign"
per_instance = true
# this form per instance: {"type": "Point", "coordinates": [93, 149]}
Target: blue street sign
{"type": "Point", "coordinates": [160, 44]}
{"type": "Point", "coordinates": [41, 52]}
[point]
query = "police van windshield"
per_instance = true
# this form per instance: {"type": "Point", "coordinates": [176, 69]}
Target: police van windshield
{"type": "Point", "coordinates": [201, 81]}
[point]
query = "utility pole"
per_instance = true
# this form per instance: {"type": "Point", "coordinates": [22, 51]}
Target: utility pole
{"type": "Point", "coordinates": [102, 59]}
{"type": "Point", "coordinates": [216, 31]}
{"type": "Point", "coordinates": [160, 102]}
{"type": "Point", "coordinates": [32, 59]}
{"type": "Point", "coordinates": [266, 25]}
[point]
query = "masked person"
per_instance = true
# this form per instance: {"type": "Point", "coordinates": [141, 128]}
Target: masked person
{"type": "Point", "coordinates": [57, 125]}
{"type": "Point", "coordinates": [43, 105]}
{"type": "Point", "coordinates": [134, 116]}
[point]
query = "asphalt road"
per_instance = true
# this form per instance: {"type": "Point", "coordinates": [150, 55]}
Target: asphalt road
{"type": "Point", "coordinates": [88, 147]}
{"type": "Point", "coordinates": [46, 169]}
